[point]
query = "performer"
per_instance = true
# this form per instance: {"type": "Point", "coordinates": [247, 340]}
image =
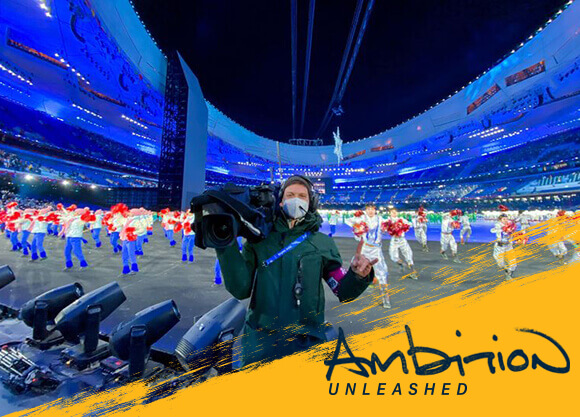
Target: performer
{"type": "Point", "coordinates": [12, 221]}
{"type": "Point", "coordinates": [188, 241]}
{"type": "Point", "coordinates": [168, 223]}
{"type": "Point", "coordinates": [420, 226]}
{"type": "Point", "coordinates": [39, 228]}
{"type": "Point", "coordinates": [333, 221]}
{"type": "Point", "coordinates": [503, 246]}
{"type": "Point", "coordinates": [367, 227]}
{"type": "Point", "coordinates": [24, 223]}
{"type": "Point", "coordinates": [559, 249]}
{"type": "Point", "coordinates": [72, 230]}
{"type": "Point", "coordinates": [95, 227]}
{"type": "Point", "coordinates": [450, 223]}
{"type": "Point", "coordinates": [142, 216]}
{"type": "Point", "coordinates": [396, 227]}
{"type": "Point", "coordinates": [465, 232]}
{"type": "Point", "coordinates": [132, 228]}
{"type": "Point", "coordinates": [524, 220]}
{"type": "Point", "coordinates": [115, 221]}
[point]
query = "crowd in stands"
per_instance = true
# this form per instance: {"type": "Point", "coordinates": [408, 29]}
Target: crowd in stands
{"type": "Point", "coordinates": [14, 160]}
{"type": "Point", "coordinates": [38, 131]}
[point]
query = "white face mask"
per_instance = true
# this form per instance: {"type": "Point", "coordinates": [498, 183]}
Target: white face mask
{"type": "Point", "coordinates": [295, 208]}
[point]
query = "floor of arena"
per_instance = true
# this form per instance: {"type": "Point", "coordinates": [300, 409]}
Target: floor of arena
{"type": "Point", "coordinates": [163, 276]}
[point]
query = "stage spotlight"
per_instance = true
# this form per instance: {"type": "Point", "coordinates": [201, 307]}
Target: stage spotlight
{"type": "Point", "coordinates": [93, 187]}
{"type": "Point", "coordinates": [65, 182]}
{"type": "Point", "coordinates": [82, 319]}
{"type": "Point", "coordinates": [133, 339]}
{"type": "Point", "coordinates": [28, 177]}
{"type": "Point", "coordinates": [52, 301]}
{"type": "Point", "coordinates": [72, 320]}
{"type": "Point", "coordinates": [209, 341]}
{"type": "Point", "coordinates": [6, 276]}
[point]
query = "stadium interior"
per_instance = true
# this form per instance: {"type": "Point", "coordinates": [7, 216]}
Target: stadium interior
{"type": "Point", "coordinates": [83, 114]}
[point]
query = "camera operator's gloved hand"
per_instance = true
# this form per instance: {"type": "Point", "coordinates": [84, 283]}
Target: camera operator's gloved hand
{"type": "Point", "coordinates": [360, 264]}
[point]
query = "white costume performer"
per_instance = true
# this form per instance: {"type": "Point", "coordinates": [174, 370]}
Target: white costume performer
{"type": "Point", "coordinates": [372, 249]}
{"type": "Point", "coordinates": [399, 244]}
{"type": "Point", "coordinates": [420, 226]}
{"type": "Point", "coordinates": [524, 220]}
{"type": "Point", "coordinates": [558, 249]}
{"type": "Point", "coordinates": [465, 232]}
{"type": "Point", "coordinates": [447, 238]}
{"type": "Point", "coordinates": [500, 250]}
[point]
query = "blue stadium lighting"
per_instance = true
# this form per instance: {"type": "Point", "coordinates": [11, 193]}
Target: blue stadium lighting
{"type": "Point", "coordinates": [15, 75]}
{"type": "Point", "coordinates": [135, 122]}
{"type": "Point", "coordinates": [142, 136]}
{"type": "Point", "coordinates": [92, 113]}
{"type": "Point", "coordinates": [89, 122]}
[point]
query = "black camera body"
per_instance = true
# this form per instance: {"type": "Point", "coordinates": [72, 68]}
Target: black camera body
{"type": "Point", "coordinates": [224, 213]}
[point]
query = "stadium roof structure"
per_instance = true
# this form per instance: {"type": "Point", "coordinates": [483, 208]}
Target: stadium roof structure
{"type": "Point", "coordinates": [493, 99]}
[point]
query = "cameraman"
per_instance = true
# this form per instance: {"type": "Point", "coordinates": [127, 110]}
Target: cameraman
{"type": "Point", "coordinates": [282, 275]}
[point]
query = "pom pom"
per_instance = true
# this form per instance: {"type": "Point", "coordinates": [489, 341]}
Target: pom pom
{"type": "Point", "coordinates": [130, 231]}
{"type": "Point", "coordinates": [395, 228]}
{"type": "Point", "coordinates": [509, 227]}
{"type": "Point", "coordinates": [360, 229]}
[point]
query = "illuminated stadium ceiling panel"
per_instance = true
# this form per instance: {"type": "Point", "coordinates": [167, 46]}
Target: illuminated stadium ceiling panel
{"type": "Point", "coordinates": [64, 60]}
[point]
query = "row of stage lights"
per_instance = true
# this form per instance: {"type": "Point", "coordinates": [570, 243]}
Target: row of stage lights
{"type": "Point", "coordinates": [15, 75]}
{"type": "Point", "coordinates": [31, 178]}
{"type": "Point", "coordinates": [73, 69]}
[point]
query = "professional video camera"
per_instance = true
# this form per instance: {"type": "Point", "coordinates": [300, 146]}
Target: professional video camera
{"type": "Point", "coordinates": [224, 213]}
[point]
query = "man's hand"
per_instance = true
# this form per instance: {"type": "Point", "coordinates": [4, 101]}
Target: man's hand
{"type": "Point", "coordinates": [360, 264]}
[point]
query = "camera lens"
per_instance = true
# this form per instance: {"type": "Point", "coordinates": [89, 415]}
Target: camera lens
{"type": "Point", "coordinates": [221, 231]}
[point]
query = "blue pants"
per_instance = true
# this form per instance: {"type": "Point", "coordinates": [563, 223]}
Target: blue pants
{"type": "Point", "coordinates": [332, 230]}
{"type": "Point", "coordinates": [129, 257]}
{"type": "Point", "coordinates": [114, 239]}
{"type": "Point", "coordinates": [218, 273]}
{"type": "Point", "coordinates": [14, 239]}
{"type": "Point", "coordinates": [49, 228]}
{"type": "Point", "coordinates": [187, 245]}
{"type": "Point", "coordinates": [74, 245]}
{"type": "Point", "coordinates": [7, 232]}
{"type": "Point", "coordinates": [38, 245]}
{"type": "Point", "coordinates": [96, 236]}
{"type": "Point", "coordinates": [169, 235]}
{"type": "Point", "coordinates": [24, 242]}
{"type": "Point", "coordinates": [139, 244]}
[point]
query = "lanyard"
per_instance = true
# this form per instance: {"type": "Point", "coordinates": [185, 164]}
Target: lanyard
{"type": "Point", "coordinates": [287, 249]}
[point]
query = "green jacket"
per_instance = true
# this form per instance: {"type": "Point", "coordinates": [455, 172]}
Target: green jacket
{"type": "Point", "coordinates": [274, 305]}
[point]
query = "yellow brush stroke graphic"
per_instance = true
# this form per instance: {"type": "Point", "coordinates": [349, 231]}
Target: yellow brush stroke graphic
{"type": "Point", "coordinates": [481, 319]}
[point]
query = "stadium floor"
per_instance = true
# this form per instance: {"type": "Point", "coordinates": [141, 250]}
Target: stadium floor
{"type": "Point", "coordinates": [163, 276]}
